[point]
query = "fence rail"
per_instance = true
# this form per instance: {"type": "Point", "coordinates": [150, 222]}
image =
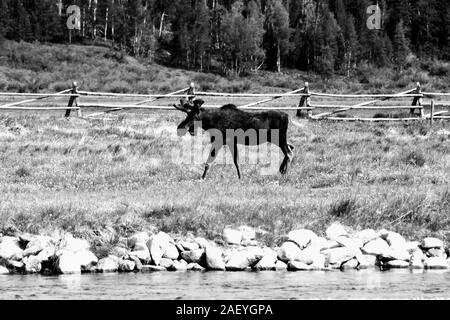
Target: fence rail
{"type": "Point", "coordinates": [304, 94]}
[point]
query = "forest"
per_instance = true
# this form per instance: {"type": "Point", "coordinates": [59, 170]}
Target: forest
{"type": "Point", "coordinates": [236, 37]}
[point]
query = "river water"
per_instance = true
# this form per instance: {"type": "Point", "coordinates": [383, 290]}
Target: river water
{"type": "Point", "coordinates": [398, 284]}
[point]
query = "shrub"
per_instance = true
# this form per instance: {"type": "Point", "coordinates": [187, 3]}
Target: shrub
{"type": "Point", "coordinates": [342, 208]}
{"type": "Point", "coordinates": [415, 158]}
{"type": "Point", "coordinates": [59, 86]}
{"type": "Point", "coordinates": [22, 172]}
{"type": "Point", "coordinates": [117, 86]}
{"type": "Point", "coordinates": [143, 87]}
{"type": "Point", "coordinates": [440, 69]}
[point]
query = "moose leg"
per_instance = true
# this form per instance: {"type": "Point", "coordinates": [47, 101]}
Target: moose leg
{"type": "Point", "coordinates": [288, 155]}
{"type": "Point", "coordinates": [212, 156]}
{"type": "Point", "coordinates": [234, 151]}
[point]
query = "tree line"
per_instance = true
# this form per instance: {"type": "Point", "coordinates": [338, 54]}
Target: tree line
{"type": "Point", "coordinates": [240, 36]}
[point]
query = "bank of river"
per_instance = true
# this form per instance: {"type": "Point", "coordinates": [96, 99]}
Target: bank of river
{"type": "Point", "coordinates": [363, 284]}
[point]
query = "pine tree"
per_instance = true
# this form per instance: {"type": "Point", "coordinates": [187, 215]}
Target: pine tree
{"type": "Point", "coordinates": [4, 19]}
{"type": "Point", "coordinates": [351, 43]}
{"type": "Point", "coordinates": [21, 26]}
{"type": "Point", "coordinates": [326, 43]}
{"type": "Point", "coordinates": [277, 33]}
{"type": "Point", "coordinates": [400, 45]}
{"type": "Point", "coordinates": [47, 22]}
{"type": "Point", "coordinates": [242, 35]}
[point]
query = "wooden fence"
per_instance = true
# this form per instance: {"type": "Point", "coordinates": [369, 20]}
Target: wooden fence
{"type": "Point", "coordinates": [305, 96]}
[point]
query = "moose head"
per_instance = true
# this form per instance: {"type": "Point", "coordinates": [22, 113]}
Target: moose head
{"type": "Point", "coordinates": [193, 112]}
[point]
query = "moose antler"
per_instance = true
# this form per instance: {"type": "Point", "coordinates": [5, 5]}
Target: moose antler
{"type": "Point", "coordinates": [182, 106]}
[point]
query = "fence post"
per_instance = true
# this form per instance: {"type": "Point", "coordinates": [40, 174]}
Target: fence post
{"type": "Point", "coordinates": [304, 101]}
{"type": "Point", "coordinates": [73, 100]}
{"type": "Point", "coordinates": [432, 113]}
{"type": "Point", "coordinates": [191, 92]}
{"type": "Point", "coordinates": [417, 101]}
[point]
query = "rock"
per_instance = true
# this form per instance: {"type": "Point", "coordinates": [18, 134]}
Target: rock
{"type": "Point", "coordinates": [194, 256]}
{"type": "Point", "coordinates": [412, 246]}
{"type": "Point", "coordinates": [330, 244]}
{"type": "Point", "coordinates": [137, 262]}
{"type": "Point", "coordinates": [318, 263]}
{"type": "Point", "coordinates": [352, 243]}
{"type": "Point", "coordinates": [280, 266]}
{"type": "Point", "coordinates": [189, 246]}
{"type": "Point", "coordinates": [202, 242]}
{"type": "Point", "coordinates": [3, 270]}
{"type": "Point", "coordinates": [436, 252]}
{"type": "Point", "coordinates": [140, 237]}
{"type": "Point", "coordinates": [298, 266]}
{"type": "Point", "coordinates": [383, 233]}
{"type": "Point", "coordinates": [240, 260]}
{"type": "Point", "coordinates": [179, 265]}
{"type": "Point", "coordinates": [417, 258]}
{"type": "Point", "coordinates": [397, 264]}
{"type": "Point", "coordinates": [15, 266]}
{"type": "Point", "coordinates": [143, 255]}
{"type": "Point", "coordinates": [108, 264]}
{"type": "Point", "coordinates": [288, 251]}
{"type": "Point", "coordinates": [309, 256]}
{"type": "Point", "coordinates": [249, 243]}
{"type": "Point", "coordinates": [395, 240]}
{"type": "Point", "coordinates": [435, 263]}
{"type": "Point", "coordinates": [256, 253]}
{"type": "Point", "coordinates": [179, 247]}
{"type": "Point", "coordinates": [396, 254]}
{"type": "Point", "coordinates": [36, 245]}
{"type": "Point", "coordinates": [350, 264]}
{"type": "Point", "coordinates": [335, 230]}
{"type": "Point", "coordinates": [366, 235]}
{"type": "Point", "coordinates": [149, 268]}
{"type": "Point", "coordinates": [69, 243]}
{"type": "Point", "coordinates": [120, 252]}
{"type": "Point", "coordinates": [367, 261]}
{"type": "Point", "coordinates": [68, 263]}
{"type": "Point", "coordinates": [33, 265]}
{"type": "Point", "coordinates": [10, 249]}
{"type": "Point", "coordinates": [47, 253]}
{"type": "Point", "coordinates": [171, 252]}
{"type": "Point", "coordinates": [267, 261]}
{"type": "Point", "coordinates": [195, 267]}
{"type": "Point", "coordinates": [248, 233]}
{"type": "Point", "coordinates": [139, 246]}
{"type": "Point", "coordinates": [126, 265]}
{"type": "Point", "coordinates": [376, 247]}
{"type": "Point", "coordinates": [429, 243]}
{"type": "Point", "coordinates": [158, 245]}
{"type": "Point", "coordinates": [320, 243]}
{"type": "Point", "coordinates": [166, 263]}
{"type": "Point", "coordinates": [25, 238]}
{"type": "Point", "coordinates": [214, 259]}
{"type": "Point", "coordinates": [87, 260]}
{"type": "Point", "coordinates": [302, 237]}
{"type": "Point", "coordinates": [338, 256]}
{"type": "Point", "coordinates": [232, 236]}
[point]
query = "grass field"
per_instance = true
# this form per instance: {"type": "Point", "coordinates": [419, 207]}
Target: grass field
{"type": "Point", "coordinates": [119, 171]}
{"type": "Point", "coordinates": [124, 172]}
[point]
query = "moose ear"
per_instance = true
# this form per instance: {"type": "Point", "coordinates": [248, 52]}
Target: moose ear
{"type": "Point", "coordinates": [198, 102]}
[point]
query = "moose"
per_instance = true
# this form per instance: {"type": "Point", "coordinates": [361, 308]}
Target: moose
{"type": "Point", "coordinates": [234, 127]}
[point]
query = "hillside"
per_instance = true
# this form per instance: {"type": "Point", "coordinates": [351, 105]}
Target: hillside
{"type": "Point", "coordinates": [34, 67]}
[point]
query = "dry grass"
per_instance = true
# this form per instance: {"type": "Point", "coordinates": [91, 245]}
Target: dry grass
{"type": "Point", "coordinates": [83, 176]}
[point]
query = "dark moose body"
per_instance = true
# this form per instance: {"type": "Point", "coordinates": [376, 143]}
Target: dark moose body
{"type": "Point", "coordinates": [237, 127]}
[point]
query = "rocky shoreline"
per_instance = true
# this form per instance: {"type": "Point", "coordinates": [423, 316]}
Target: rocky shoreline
{"type": "Point", "coordinates": [301, 250]}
